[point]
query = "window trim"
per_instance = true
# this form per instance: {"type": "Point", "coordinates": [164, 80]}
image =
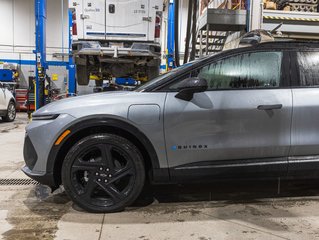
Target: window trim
{"type": "Point", "coordinates": [284, 82]}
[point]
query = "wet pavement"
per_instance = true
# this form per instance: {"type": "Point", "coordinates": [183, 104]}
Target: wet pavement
{"type": "Point", "coordinates": [237, 210]}
{"type": "Point", "coordinates": [21, 119]}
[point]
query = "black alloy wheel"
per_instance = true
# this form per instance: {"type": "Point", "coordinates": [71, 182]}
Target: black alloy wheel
{"type": "Point", "coordinates": [103, 173]}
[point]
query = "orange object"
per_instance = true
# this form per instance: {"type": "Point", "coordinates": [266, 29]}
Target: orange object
{"type": "Point", "coordinates": [63, 136]}
{"type": "Point", "coordinates": [271, 5]}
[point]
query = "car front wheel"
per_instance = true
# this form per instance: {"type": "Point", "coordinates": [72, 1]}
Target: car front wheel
{"type": "Point", "coordinates": [11, 113]}
{"type": "Point", "coordinates": [103, 173]}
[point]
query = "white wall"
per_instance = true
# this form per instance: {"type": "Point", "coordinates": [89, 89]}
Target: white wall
{"type": "Point", "coordinates": [17, 34]}
{"type": "Point", "coordinates": [183, 25]}
{"type": "Point", "coordinates": [17, 28]}
{"type": "Point", "coordinates": [256, 14]}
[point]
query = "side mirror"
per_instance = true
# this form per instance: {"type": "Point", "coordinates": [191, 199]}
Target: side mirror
{"type": "Point", "coordinates": [189, 86]}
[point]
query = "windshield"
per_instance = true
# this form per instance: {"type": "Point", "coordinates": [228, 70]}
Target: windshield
{"type": "Point", "coordinates": [160, 78]}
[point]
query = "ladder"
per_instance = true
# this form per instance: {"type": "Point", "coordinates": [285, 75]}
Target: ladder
{"type": "Point", "coordinates": [210, 42]}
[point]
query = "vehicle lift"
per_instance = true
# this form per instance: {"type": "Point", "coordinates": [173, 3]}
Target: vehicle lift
{"type": "Point", "coordinates": [40, 52]}
{"type": "Point", "coordinates": [170, 37]}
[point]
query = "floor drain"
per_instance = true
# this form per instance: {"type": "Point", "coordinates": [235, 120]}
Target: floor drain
{"type": "Point", "coordinates": [17, 182]}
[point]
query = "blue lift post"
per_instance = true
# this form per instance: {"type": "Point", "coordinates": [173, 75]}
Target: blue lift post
{"type": "Point", "coordinates": [71, 66]}
{"type": "Point", "coordinates": [40, 51]}
{"type": "Point", "coordinates": [170, 37]}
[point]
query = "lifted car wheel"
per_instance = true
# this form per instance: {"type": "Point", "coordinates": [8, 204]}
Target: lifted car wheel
{"type": "Point", "coordinates": [103, 173]}
{"type": "Point", "coordinates": [11, 113]}
{"type": "Point", "coordinates": [83, 75]}
{"type": "Point", "coordinates": [152, 72]}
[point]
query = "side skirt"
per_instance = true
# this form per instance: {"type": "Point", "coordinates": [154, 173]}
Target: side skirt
{"type": "Point", "coordinates": [303, 167]}
{"type": "Point", "coordinates": [231, 169]}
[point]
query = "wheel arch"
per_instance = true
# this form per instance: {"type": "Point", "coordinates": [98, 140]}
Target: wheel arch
{"type": "Point", "coordinates": [12, 99]}
{"type": "Point", "coordinates": [96, 124]}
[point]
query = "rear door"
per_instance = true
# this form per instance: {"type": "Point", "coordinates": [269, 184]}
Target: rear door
{"type": "Point", "coordinates": [94, 19]}
{"type": "Point", "coordinates": [239, 127]}
{"type": "Point", "coordinates": [304, 153]}
{"type": "Point", "coordinates": [127, 20]}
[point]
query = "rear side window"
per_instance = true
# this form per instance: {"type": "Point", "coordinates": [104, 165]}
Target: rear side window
{"type": "Point", "coordinates": [244, 71]}
{"type": "Point", "coordinates": [308, 68]}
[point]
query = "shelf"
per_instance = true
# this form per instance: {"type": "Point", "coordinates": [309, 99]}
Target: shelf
{"type": "Point", "coordinates": [293, 22]}
{"type": "Point", "coordinates": [223, 20]}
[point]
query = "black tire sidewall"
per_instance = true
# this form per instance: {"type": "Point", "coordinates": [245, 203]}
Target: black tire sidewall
{"type": "Point", "coordinates": [120, 142]}
{"type": "Point", "coordinates": [83, 76]}
{"type": "Point", "coordinates": [7, 118]}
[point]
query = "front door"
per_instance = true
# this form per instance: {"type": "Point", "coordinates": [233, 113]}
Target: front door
{"type": "Point", "coordinates": [239, 127]}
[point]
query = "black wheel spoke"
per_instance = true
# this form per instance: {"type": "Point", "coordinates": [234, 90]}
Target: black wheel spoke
{"type": "Point", "coordinates": [127, 170]}
{"type": "Point", "coordinates": [112, 191]}
{"type": "Point", "coordinates": [89, 188]}
{"type": "Point", "coordinates": [106, 153]}
{"type": "Point", "coordinates": [85, 166]}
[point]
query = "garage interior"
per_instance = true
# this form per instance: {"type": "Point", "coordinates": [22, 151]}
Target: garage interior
{"type": "Point", "coordinates": [51, 50]}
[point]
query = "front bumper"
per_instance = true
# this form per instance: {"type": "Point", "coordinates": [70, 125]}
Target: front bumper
{"type": "Point", "coordinates": [39, 140]}
{"type": "Point", "coordinates": [45, 179]}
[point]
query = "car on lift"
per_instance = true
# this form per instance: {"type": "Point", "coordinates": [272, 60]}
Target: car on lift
{"type": "Point", "coordinates": [246, 113]}
{"type": "Point", "coordinates": [7, 104]}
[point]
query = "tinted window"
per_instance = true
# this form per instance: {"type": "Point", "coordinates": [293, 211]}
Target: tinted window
{"type": "Point", "coordinates": [308, 68]}
{"type": "Point", "coordinates": [249, 70]}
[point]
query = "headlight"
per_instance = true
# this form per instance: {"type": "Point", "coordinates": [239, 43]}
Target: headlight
{"type": "Point", "coordinates": [36, 117]}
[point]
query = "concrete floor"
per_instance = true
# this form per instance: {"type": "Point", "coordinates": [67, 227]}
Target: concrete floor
{"type": "Point", "coordinates": [241, 210]}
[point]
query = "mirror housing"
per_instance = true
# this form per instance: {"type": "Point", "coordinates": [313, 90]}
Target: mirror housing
{"type": "Point", "coordinates": [189, 86]}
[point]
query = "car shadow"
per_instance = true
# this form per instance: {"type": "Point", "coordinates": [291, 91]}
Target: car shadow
{"type": "Point", "coordinates": [260, 204]}
{"type": "Point", "coordinates": [235, 191]}
{"type": "Point", "coordinates": [253, 204]}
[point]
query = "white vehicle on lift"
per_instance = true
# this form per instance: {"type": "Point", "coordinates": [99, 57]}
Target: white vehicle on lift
{"type": "Point", "coordinates": [116, 38]}
{"type": "Point", "coordinates": [7, 104]}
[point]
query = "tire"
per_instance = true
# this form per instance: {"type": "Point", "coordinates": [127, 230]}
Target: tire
{"type": "Point", "coordinates": [152, 72]}
{"type": "Point", "coordinates": [82, 75]}
{"type": "Point", "coordinates": [11, 113]}
{"type": "Point", "coordinates": [103, 173]}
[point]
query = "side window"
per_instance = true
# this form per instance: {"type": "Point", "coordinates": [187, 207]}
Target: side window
{"type": "Point", "coordinates": [249, 70]}
{"type": "Point", "coordinates": [308, 68]}
{"type": "Point", "coordinates": [244, 71]}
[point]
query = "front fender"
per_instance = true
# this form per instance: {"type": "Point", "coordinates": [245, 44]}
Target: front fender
{"type": "Point", "coordinates": [96, 121]}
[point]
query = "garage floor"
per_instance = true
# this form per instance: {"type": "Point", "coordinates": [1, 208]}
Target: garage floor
{"type": "Point", "coordinates": [242, 210]}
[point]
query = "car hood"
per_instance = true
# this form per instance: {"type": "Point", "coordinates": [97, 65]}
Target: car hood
{"type": "Point", "coordinates": [114, 103]}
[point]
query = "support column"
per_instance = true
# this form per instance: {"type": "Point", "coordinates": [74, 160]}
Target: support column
{"type": "Point", "coordinates": [40, 51]}
{"type": "Point", "coordinates": [71, 66]}
{"type": "Point", "coordinates": [256, 17]}
{"type": "Point", "coordinates": [170, 36]}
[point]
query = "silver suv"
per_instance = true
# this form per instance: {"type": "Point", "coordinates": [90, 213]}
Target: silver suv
{"type": "Point", "coordinates": [245, 113]}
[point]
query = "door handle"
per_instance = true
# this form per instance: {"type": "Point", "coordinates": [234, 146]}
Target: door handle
{"type": "Point", "coordinates": [269, 107]}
